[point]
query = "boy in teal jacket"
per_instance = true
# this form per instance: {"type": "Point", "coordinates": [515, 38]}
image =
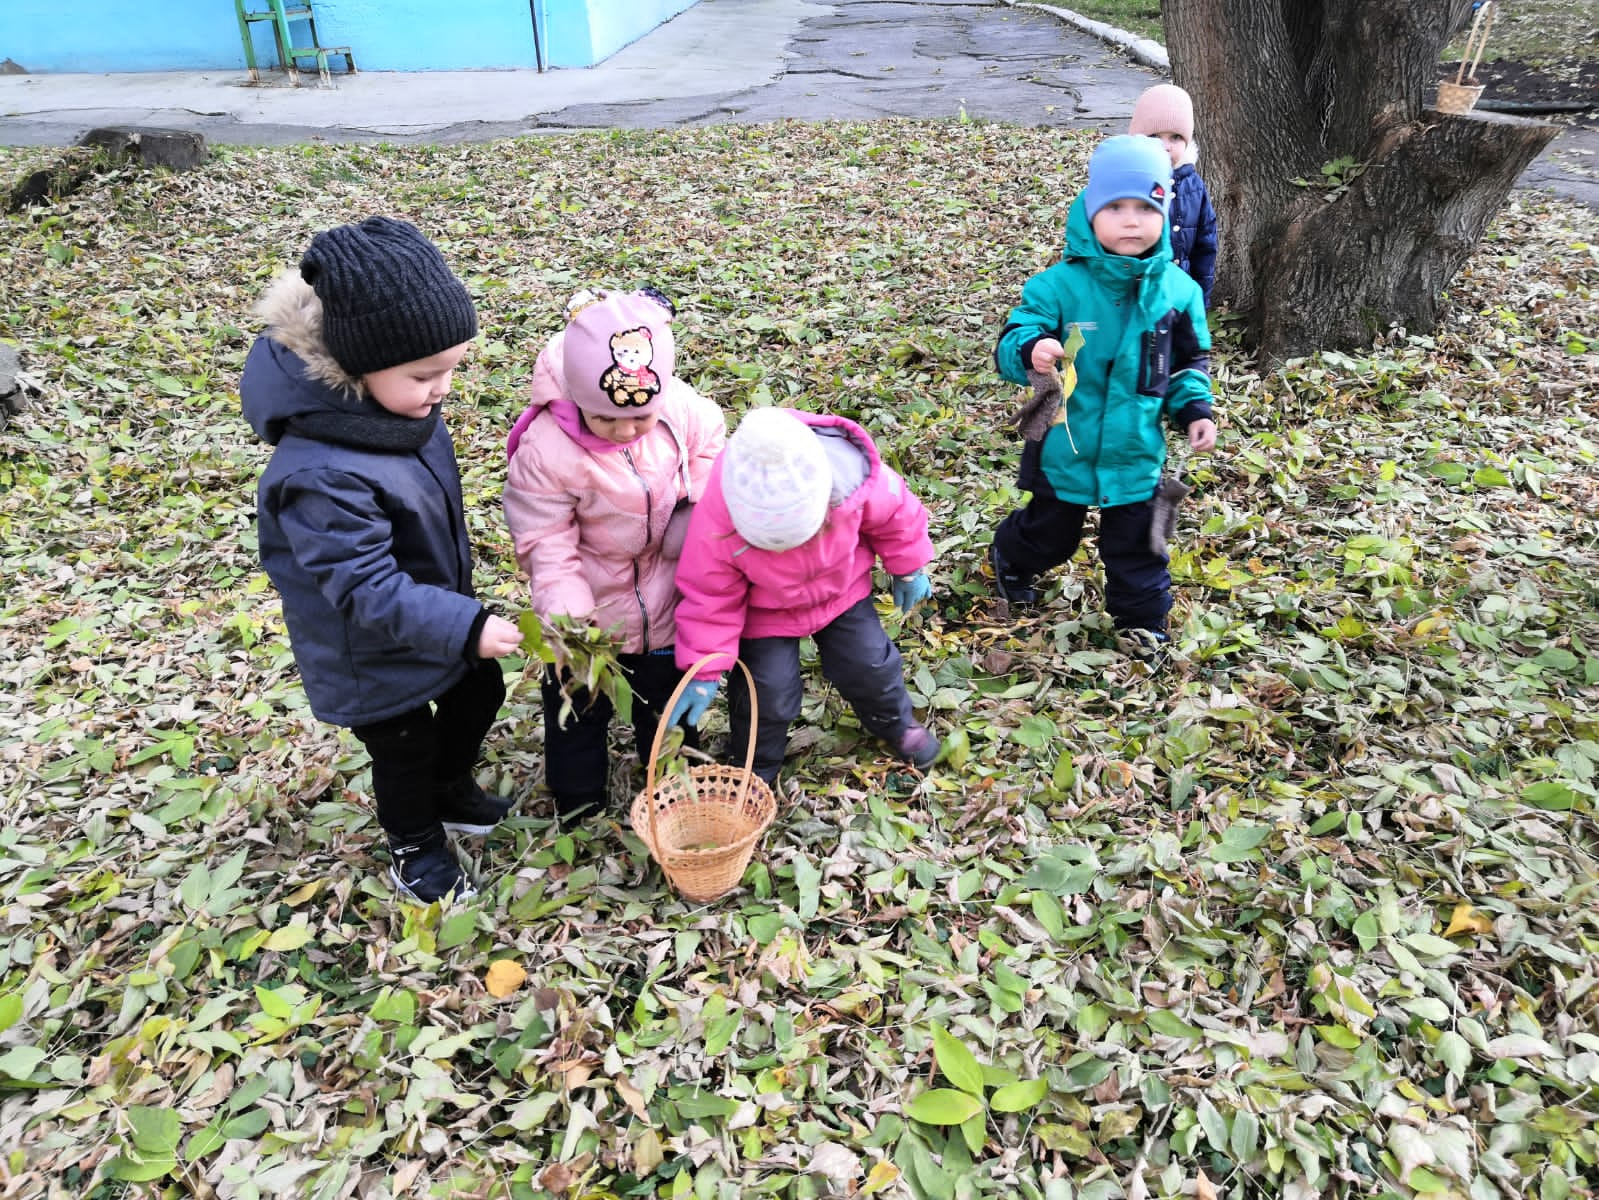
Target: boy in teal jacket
{"type": "Point", "coordinates": [1143, 362]}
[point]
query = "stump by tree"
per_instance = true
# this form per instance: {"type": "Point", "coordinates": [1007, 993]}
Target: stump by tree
{"type": "Point", "coordinates": [1345, 202]}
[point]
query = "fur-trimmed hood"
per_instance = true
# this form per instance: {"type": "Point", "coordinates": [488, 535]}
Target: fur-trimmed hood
{"type": "Point", "coordinates": [289, 371]}
{"type": "Point", "coordinates": [293, 316]}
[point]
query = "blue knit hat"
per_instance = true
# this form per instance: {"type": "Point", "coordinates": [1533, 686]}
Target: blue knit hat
{"type": "Point", "coordinates": [1126, 167]}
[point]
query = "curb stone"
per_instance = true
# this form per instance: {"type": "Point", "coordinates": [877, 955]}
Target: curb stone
{"type": "Point", "coordinates": [1142, 50]}
{"type": "Point", "coordinates": [150, 146]}
{"type": "Point", "coordinates": [12, 398]}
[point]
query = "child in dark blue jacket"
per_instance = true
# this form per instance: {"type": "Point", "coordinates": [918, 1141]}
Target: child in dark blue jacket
{"type": "Point", "coordinates": [361, 529]}
{"type": "Point", "coordinates": [1166, 112]}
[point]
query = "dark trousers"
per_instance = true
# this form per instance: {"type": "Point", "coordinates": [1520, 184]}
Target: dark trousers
{"type": "Point", "coordinates": [1046, 533]}
{"type": "Point", "coordinates": [576, 755]}
{"type": "Point", "coordinates": [857, 658]}
{"type": "Point", "coordinates": [417, 752]}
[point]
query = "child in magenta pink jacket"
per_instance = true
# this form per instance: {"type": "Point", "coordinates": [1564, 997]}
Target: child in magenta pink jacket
{"type": "Point", "coordinates": [604, 463]}
{"type": "Point", "coordinates": [797, 511]}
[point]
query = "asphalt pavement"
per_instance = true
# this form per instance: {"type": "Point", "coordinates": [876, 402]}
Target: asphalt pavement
{"type": "Point", "coordinates": [720, 61]}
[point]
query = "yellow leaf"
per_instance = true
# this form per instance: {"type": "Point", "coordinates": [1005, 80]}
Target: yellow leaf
{"type": "Point", "coordinates": [290, 937]}
{"type": "Point", "coordinates": [880, 1176]}
{"type": "Point", "coordinates": [1468, 920]}
{"type": "Point", "coordinates": [303, 893]}
{"type": "Point", "coordinates": [504, 977]}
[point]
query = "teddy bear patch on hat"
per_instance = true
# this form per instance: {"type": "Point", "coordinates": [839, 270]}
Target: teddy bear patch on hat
{"type": "Point", "coordinates": [618, 355]}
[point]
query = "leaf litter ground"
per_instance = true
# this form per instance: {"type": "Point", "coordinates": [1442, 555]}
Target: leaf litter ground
{"type": "Point", "coordinates": [1310, 912]}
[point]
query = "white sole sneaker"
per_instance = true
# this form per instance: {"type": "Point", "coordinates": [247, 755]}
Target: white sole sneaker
{"type": "Point", "coordinates": [462, 829]}
{"type": "Point", "coordinates": [463, 893]}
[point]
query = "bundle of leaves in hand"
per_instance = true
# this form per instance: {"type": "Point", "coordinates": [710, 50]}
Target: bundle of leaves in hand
{"type": "Point", "coordinates": [584, 658]}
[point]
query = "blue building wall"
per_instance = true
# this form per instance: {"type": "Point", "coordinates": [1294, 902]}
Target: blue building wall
{"type": "Point", "coordinates": [583, 32]}
{"type": "Point", "coordinates": [386, 35]}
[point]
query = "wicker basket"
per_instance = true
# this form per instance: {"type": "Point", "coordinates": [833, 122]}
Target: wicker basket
{"type": "Point", "coordinates": [702, 824]}
{"type": "Point", "coordinates": [1457, 97]}
{"type": "Point", "coordinates": [1461, 96]}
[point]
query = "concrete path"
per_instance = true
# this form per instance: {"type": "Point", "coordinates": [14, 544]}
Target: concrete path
{"type": "Point", "coordinates": [720, 61]}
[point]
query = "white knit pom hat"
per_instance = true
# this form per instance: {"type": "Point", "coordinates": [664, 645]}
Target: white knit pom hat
{"type": "Point", "coordinates": [775, 479]}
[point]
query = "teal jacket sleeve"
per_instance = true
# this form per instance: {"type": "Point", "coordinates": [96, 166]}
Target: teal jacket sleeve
{"type": "Point", "coordinates": [1037, 316]}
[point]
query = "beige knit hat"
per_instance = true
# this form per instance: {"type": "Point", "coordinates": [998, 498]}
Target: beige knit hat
{"type": "Point", "coordinates": [1164, 108]}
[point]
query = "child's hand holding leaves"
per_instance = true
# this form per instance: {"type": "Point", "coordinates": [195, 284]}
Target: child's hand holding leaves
{"type": "Point", "coordinates": [498, 638]}
{"type": "Point", "coordinates": [584, 658]}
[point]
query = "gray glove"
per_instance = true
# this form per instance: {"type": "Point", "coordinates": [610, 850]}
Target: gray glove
{"type": "Point", "coordinates": [1038, 414]}
{"type": "Point", "coordinates": [1169, 494]}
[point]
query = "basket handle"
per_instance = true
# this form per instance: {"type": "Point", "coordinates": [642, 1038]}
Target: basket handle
{"type": "Point", "coordinates": [660, 732]}
{"type": "Point", "coordinates": [1478, 37]}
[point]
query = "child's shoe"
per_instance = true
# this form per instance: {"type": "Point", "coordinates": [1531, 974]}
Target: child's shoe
{"type": "Point", "coordinates": [916, 745]}
{"type": "Point", "coordinates": [424, 869]}
{"type": "Point", "coordinates": [465, 808]}
{"type": "Point", "coordinates": [1152, 647]}
{"type": "Point", "coordinates": [576, 808]}
{"type": "Point", "coordinates": [1013, 586]}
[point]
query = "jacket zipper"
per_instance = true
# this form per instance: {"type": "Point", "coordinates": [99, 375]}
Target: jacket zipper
{"type": "Point", "coordinates": [649, 515]}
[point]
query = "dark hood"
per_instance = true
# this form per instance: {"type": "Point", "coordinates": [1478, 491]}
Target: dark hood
{"type": "Point", "coordinates": [289, 373]}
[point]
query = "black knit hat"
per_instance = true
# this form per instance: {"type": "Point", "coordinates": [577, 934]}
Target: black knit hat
{"type": "Point", "coordinates": [387, 295]}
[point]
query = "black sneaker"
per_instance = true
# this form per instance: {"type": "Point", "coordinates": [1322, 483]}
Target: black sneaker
{"type": "Point", "coordinates": [576, 808]}
{"type": "Point", "coordinates": [465, 808]}
{"type": "Point", "coordinates": [424, 870]}
{"type": "Point", "coordinates": [1013, 586]}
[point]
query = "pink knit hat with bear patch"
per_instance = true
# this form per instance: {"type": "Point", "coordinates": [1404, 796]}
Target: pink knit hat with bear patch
{"type": "Point", "coordinates": [618, 356]}
{"type": "Point", "coordinates": [1164, 108]}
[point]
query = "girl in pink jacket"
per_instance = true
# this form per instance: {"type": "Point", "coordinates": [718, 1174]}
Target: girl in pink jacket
{"type": "Point", "coordinates": [605, 463]}
{"type": "Point", "coordinates": [797, 511]}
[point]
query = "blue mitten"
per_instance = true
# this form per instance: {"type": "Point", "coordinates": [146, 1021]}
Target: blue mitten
{"type": "Point", "coordinates": [911, 590]}
{"type": "Point", "coordinates": [691, 706]}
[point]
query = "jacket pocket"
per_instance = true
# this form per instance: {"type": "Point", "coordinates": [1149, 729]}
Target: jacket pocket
{"type": "Point", "coordinates": [1154, 366]}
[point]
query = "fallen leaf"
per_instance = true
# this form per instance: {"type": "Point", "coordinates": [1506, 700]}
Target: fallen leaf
{"type": "Point", "coordinates": [879, 1177]}
{"type": "Point", "coordinates": [557, 1177]}
{"type": "Point", "coordinates": [504, 977]}
{"type": "Point", "coordinates": [1467, 919]}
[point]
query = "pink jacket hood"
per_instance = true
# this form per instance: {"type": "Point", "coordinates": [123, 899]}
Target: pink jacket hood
{"type": "Point", "coordinates": [588, 524]}
{"type": "Point", "coordinates": [732, 590]}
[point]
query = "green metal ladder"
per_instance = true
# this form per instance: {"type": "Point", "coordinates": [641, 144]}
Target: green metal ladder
{"type": "Point", "coordinates": [282, 16]}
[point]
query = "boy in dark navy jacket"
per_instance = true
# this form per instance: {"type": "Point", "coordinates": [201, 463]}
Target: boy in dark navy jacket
{"type": "Point", "coordinates": [362, 531]}
{"type": "Point", "coordinates": [1165, 112]}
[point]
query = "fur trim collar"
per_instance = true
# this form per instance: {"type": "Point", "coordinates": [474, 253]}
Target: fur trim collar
{"type": "Point", "coordinates": [294, 320]}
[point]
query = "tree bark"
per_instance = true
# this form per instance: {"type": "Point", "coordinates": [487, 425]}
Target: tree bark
{"type": "Point", "coordinates": [1344, 205]}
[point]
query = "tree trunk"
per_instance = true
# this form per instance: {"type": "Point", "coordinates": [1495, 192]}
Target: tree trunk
{"type": "Point", "coordinates": [1343, 204]}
